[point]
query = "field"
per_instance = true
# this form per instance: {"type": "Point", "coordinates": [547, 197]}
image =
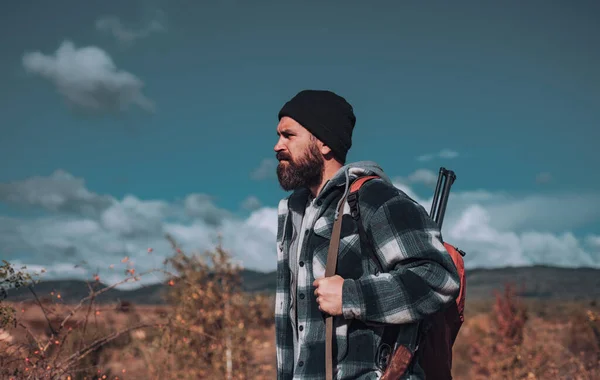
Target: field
{"type": "Point", "coordinates": [208, 326]}
{"type": "Point", "coordinates": [565, 345]}
{"type": "Point", "coordinates": [133, 355]}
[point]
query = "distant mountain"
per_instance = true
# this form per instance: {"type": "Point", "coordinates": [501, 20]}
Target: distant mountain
{"type": "Point", "coordinates": [540, 282]}
{"type": "Point", "coordinates": [74, 290]}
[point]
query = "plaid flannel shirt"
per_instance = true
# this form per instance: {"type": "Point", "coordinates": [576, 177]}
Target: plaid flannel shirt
{"type": "Point", "coordinates": [419, 277]}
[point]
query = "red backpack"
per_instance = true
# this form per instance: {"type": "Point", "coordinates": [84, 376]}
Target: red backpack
{"type": "Point", "coordinates": [438, 332]}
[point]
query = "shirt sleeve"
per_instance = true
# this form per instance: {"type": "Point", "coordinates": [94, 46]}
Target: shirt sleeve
{"type": "Point", "coordinates": [419, 275]}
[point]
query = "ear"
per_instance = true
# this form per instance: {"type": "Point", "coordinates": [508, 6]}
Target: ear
{"type": "Point", "coordinates": [325, 150]}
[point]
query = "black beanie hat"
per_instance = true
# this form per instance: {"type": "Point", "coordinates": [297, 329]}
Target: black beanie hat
{"type": "Point", "coordinates": [326, 115]}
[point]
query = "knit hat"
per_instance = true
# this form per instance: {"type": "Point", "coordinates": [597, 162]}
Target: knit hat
{"type": "Point", "coordinates": [326, 115]}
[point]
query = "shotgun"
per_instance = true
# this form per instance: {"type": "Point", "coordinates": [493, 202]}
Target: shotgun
{"type": "Point", "coordinates": [402, 356]}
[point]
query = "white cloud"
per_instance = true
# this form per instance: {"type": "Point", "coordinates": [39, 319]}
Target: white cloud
{"type": "Point", "coordinates": [88, 79]}
{"type": "Point", "coordinates": [447, 153]}
{"type": "Point", "coordinates": [495, 229]}
{"type": "Point", "coordinates": [444, 153]}
{"type": "Point", "coordinates": [593, 241]}
{"type": "Point", "coordinates": [264, 219]}
{"type": "Point", "coordinates": [126, 35]}
{"type": "Point", "coordinates": [63, 235]}
{"type": "Point", "coordinates": [251, 203]}
{"type": "Point", "coordinates": [201, 206]}
{"type": "Point", "coordinates": [490, 247]}
{"type": "Point", "coordinates": [422, 176]}
{"type": "Point", "coordinates": [265, 170]}
{"type": "Point", "coordinates": [59, 192]}
{"type": "Point", "coordinates": [133, 217]}
{"type": "Point", "coordinates": [554, 213]}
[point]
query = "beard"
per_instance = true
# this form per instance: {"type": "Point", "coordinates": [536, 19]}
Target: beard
{"type": "Point", "coordinates": [306, 172]}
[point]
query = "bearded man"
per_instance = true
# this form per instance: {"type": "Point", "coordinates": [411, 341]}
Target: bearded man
{"type": "Point", "coordinates": [417, 279]}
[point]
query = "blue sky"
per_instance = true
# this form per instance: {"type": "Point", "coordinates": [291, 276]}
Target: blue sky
{"type": "Point", "coordinates": [95, 167]}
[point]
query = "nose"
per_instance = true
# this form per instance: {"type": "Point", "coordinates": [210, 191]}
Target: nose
{"type": "Point", "coordinates": [278, 146]}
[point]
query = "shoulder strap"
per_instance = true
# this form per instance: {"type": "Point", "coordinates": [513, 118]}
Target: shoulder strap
{"type": "Point", "coordinates": [332, 254]}
{"type": "Point", "coordinates": [334, 244]}
{"type": "Point", "coordinates": [357, 184]}
{"type": "Point", "coordinates": [355, 212]}
{"type": "Point", "coordinates": [391, 361]}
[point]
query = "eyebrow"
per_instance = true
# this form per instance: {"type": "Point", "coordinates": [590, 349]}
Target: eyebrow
{"type": "Point", "coordinates": [286, 131]}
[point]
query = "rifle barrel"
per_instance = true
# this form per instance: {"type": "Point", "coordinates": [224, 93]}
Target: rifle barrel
{"type": "Point", "coordinates": [436, 194]}
{"type": "Point", "coordinates": [449, 177]}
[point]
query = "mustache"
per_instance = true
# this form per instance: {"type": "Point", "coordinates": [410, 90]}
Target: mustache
{"type": "Point", "coordinates": [283, 156]}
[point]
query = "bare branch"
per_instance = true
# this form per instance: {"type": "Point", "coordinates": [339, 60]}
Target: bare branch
{"type": "Point", "coordinates": [97, 293]}
{"type": "Point", "coordinates": [80, 354]}
{"type": "Point", "coordinates": [43, 310]}
{"type": "Point", "coordinates": [28, 331]}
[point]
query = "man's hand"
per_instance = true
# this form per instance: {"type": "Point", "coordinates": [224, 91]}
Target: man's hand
{"type": "Point", "coordinates": [329, 294]}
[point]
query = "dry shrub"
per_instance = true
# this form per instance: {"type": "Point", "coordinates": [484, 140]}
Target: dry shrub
{"type": "Point", "coordinates": [207, 334]}
{"type": "Point", "coordinates": [209, 329]}
{"type": "Point", "coordinates": [496, 350]}
{"type": "Point", "coordinates": [260, 309]}
{"type": "Point", "coordinates": [510, 344]}
{"type": "Point", "coordinates": [582, 339]}
{"type": "Point", "coordinates": [10, 278]}
{"type": "Point", "coordinates": [60, 341]}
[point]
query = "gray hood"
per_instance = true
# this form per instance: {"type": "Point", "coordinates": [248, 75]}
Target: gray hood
{"type": "Point", "coordinates": [349, 173]}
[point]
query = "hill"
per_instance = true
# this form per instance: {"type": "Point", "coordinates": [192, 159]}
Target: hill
{"type": "Point", "coordinates": [74, 290]}
{"type": "Point", "coordinates": [537, 282]}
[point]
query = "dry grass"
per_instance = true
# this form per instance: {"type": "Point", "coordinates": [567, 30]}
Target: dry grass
{"type": "Point", "coordinates": [134, 355]}
{"type": "Point", "coordinates": [210, 329]}
{"type": "Point", "coordinates": [514, 339]}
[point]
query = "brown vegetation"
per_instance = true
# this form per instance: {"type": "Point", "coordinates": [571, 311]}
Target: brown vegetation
{"type": "Point", "coordinates": [210, 328]}
{"type": "Point", "coordinates": [518, 340]}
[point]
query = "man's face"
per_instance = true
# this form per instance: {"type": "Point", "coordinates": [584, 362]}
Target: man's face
{"type": "Point", "coordinates": [300, 160]}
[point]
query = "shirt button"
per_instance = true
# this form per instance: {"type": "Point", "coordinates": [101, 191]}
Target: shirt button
{"type": "Point", "coordinates": [301, 328]}
{"type": "Point", "coordinates": [307, 231]}
{"type": "Point", "coordinates": [319, 202]}
{"type": "Point", "coordinates": [301, 363]}
{"type": "Point", "coordinates": [301, 296]}
{"type": "Point", "coordinates": [301, 263]}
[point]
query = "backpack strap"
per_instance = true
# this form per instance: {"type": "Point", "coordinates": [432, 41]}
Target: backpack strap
{"type": "Point", "coordinates": [355, 213]}
{"type": "Point", "coordinates": [402, 358]}
{"type": "Point", "coordinates": [334, 248]}
{"type": "Point", "coordinates": [332, 254]}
